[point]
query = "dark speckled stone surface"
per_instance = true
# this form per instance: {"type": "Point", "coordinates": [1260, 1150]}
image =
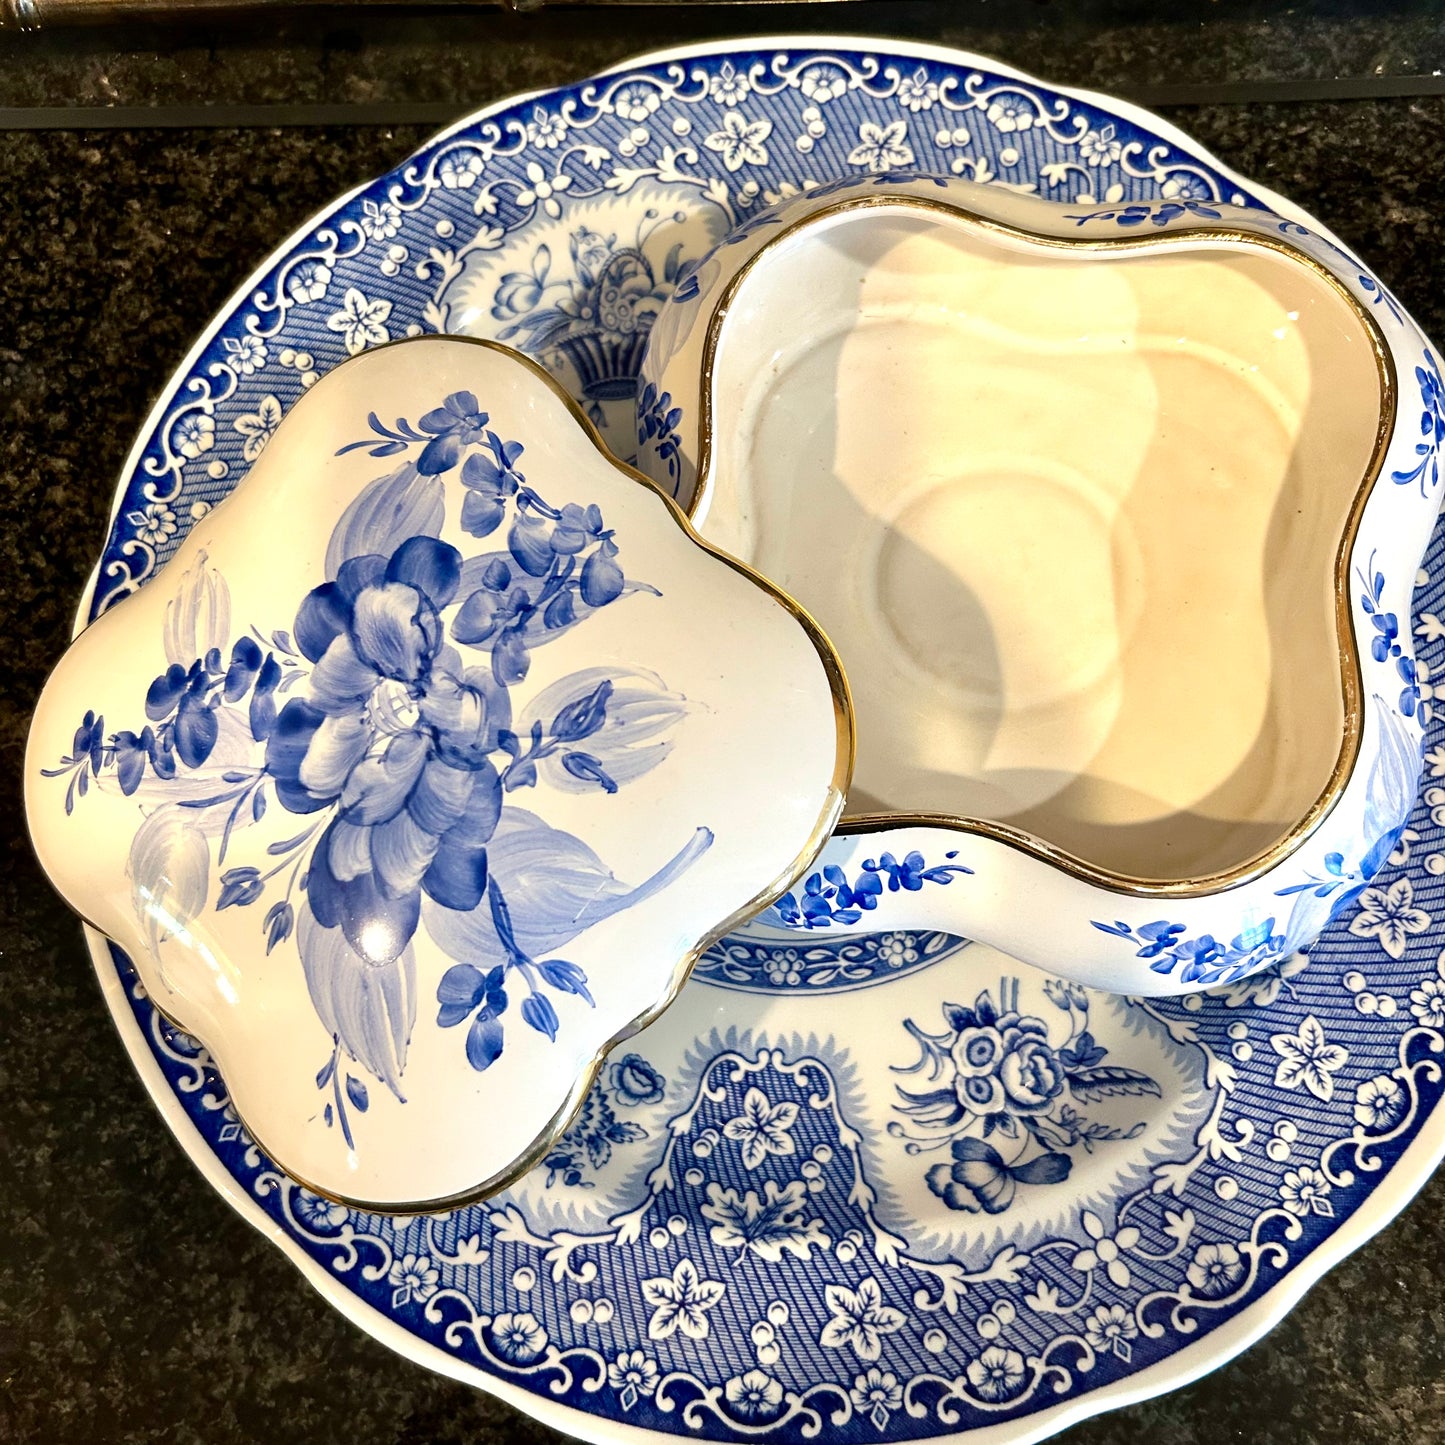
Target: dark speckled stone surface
{"type": "Point", "coordinates": [134, 1305]}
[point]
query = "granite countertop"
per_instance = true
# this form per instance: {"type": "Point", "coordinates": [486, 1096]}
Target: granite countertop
{"type": "Point", "coordinates": [134, 1304]}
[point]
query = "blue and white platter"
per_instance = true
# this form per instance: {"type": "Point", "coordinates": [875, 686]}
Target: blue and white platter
{"type": "Point", "coordinates": [878, 1186]}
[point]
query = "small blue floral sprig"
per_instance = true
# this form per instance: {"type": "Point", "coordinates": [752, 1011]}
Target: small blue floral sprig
{"type": "Point", "coordinates": [1204, 959]}
{"type": "Point", "coordinates": [587, 1146]}
{"type": "Point", "coordinates": [828, 897]}
{"type": "Point", "coordinates": [657, 422]}
{"type": "Point", "coordinates": [1432, 429]}
{"type": "Point", "coordinates": [1380, 296]}
{"type": "Point", "coordinates": [181, 706]}
{"type": "Point", "coordinates": [1157, 215]}
{"type": "Point", "coordinates": [466, 992]}
{"type": "Point", "coordinates": [1385, 645]}
{"type": "Point", "coordinates": [332, 1072]}
{"type": "Point", "coordinates": [445, 430]}
{"type": "Point", "coordinates": [1343, 883]}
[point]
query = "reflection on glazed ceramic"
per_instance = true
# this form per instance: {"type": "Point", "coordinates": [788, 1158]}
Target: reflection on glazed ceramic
{"type": "Point", "coordinates": [417, 781]}
{"type": "Point", "coordinates": [1073, 517]}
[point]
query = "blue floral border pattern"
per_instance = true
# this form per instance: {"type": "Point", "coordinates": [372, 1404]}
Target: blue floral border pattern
{"type": "Point", "coordinates": [821, 965]}
{"type": "Point", "coordinates": [1318, 1073]}
{"type": "Point", "coordinates": [737, 133]}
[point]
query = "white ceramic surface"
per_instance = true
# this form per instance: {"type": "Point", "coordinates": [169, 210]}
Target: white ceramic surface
{"type": "Point", "coordinates": [495, 792]}
{"type": "Point", "coordinates": [1075, 495]}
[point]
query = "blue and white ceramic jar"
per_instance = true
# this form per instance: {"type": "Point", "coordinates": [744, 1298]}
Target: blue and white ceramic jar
{"type": "Point", "coordinates": [1113, 515]}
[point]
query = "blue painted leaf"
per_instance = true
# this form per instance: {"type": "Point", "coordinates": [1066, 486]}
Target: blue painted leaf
{"type": "Point", "coordinates": [1085, 1054]}
{"type": "Point", "coordinates": [258, 805]}
{"type": "Point", "coordinates": [566, 976]}
{"type": "Point", "coordinates": [130, 762]}
{"type": "Point", "coordinates": [510, 659]}
{"type": "Point", "coordinates": [484, 1043]}
{"type": "Point", "coordinates": [240, 887]}
{"type": "Point", "coordinates": [323, 1075]}
{"type": "Point", "coordinates": [560, 611]}
{"type": "Point", "coordinates": [196, 730]}
{"type": "Point", "coordinates": [1091, 1085]}
{"type": "Point", "coordinates": [356, 1092]}
{"type": "Point", "coordinates": [279, 922]}
{"type": "Point", "coordinates": [530, 543]}
{"type": "Point", "coordinates": [434, 568]}
{"type": "Point", "coordinates": [327, 1115]}
{"type": "Point", "coordinates": [439, 455]}
{"type": "Point", "coordinates": [523, 775]}
{"type": "Point", "coordinates": [602, 578]}
{"type": "Point", "coordinates": [538, 1011]}
{"type": "Point", "coordinates": [478, 617]}
{"type": "Point", "coordinates": [263, 699]}
{"type": "Point", "coordinates": [959, 1018]}
{"type": "Point", "coordinates": [80, 744]}
{"type": "Point", "coordinates": [1119, 930]}
{"type": "Point", "coordinates": [580, 719]}
{"type": "Point", "coordinates": [245, 664]}
{"type": "Point", "coordinates": [404, 504]}
{"type": "Point", "coordinates": [461, 989]}
{"type": "Point", "coordinates": [165, 692]}
{"type": "Point", "coordinates": [368, 1007]}
{"type": "Point", "coordinates": [584, 765]}
{"type": "Point", "coordinates": [482, 514]}
{"type": "Point", "coordinates": [1046, 1169]}
{"type": "Point", "coordinates": [944, 875]}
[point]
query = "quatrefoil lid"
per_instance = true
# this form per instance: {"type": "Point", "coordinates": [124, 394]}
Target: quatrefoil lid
{"type": "Point", "coordinates": [421, 773]}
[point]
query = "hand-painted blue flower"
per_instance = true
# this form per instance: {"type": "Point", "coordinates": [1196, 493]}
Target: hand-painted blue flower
{"type": "Point", "coordinates": [1004, 1063]}
{"type": "Point", "coordinates": [458, 422]}
{"type": "Point", "coordinates": [490, 483]}
{"type": "Point", "coordinates": [636, 1082]}
{"type": "Point", "coordinates": [395, 734]}
{"type": "Point", "coordinates": [979, 1182]}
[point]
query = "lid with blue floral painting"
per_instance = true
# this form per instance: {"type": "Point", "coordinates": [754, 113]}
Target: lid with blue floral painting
{"type": "Point", "coordinates": [421, 772]}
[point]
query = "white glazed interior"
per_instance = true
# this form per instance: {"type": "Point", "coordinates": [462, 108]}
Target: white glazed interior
{"type": "Point", "coordinates": [1071, 518]}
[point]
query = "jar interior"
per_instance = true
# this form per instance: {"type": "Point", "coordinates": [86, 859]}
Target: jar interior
{"type": "Point", "coordinates": [1070, 515]}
